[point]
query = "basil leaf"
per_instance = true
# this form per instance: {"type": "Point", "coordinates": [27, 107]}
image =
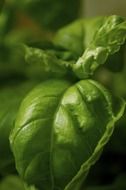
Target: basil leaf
{"type": "Point", "coordinates": [107, 41]}
{"type": "Point", "coordinates": [118, 59]}
{"type": "Point", "coordinates": [93, 41]}
{"type": "Point", "coordinates": [61, 130]}
{"type": "Point", "coordinates": [98, 38]}
{"type": "Point", "coordinates": [77, 36]}
{"type": "Point", "coordinates": [48, 61]}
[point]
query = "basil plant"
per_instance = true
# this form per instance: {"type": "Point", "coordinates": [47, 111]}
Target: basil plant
{"type": "Point", "coordinates": [64, 123]}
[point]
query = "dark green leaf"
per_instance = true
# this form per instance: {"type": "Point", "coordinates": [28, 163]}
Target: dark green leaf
{"type": "Point", "coordinates": [9, 104]}
{"type": "Point", "coordinates": [116, 62]}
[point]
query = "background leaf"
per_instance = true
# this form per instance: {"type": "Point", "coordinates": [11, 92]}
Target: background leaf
{"type": "Point", "coordinates": [12, 183]}
{"type": "Point", "coordinates": [11, 98]}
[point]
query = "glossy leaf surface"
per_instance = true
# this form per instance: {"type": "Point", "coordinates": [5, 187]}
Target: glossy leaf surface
{"type": "Point", "coordinates": [61, 130]}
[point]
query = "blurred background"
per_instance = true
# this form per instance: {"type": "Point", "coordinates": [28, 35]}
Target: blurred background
{"type": "Point", "coordinates": [108, 7]}
{"type": "Point", "coordinates": [29, 21]}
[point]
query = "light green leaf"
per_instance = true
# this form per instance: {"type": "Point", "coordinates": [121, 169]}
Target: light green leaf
{"type": "Point", "coordinates": [106, 41]}
{"type": "Point", "coordinates": [61, 130]}
{"type": "Point", "coordinates": [77, 36]}
{"type": "Point", "coordinates": [93, 41]}
{"type": "Point", "coordinates": [12, 183]}
{"type": "Point", "coordinates": [47, 60]}
{"type": "Point", "coordinates": [80, 48]}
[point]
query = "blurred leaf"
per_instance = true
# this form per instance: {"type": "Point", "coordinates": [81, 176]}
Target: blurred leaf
{"type": "Point", "coordinates": [10, 99]}
{"type": "Point", "coordinates": [48, 61]}
{"type": "Point", "coordinates": [116, 62]}
{"type": "Point", "coordinates": [120, 182]}
{"type": "Point", "coordinates": [48, 13]}
{"type": "Point", "coordinates": [12, 183]}
{"type": "Point", "coordinates": [1, 4]}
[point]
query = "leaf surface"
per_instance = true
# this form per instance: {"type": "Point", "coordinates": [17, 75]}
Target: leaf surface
{"type": "Point", "coordinates": [61, 130]}
{"type": "Point", "coordinates": [94, 41]}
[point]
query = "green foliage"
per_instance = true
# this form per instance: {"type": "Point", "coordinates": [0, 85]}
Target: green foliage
{"type": "Point", "coordinates": [57, 9]}
{"type": "Point", "coordinates": [12, 183]}
{"type": "Point", "coordinates": [109, 33]}
{"type": "Point", "coordinates": [48, 61]}
{"type": "Point", "coordinates": [67, 121]}
{"type": "Point", "coordinates": [64, 123]}
{"type": "Point", "coordinates": [9, 105]}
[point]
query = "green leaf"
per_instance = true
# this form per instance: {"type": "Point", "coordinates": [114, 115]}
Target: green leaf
{"type": "Point", "coordinates": [61, 130]}
{"type": "Point", "coordinates": [107, 41]}
{"type": "Point", "coordinates": [12, 183]}
{"type": "Point", "coordinates": [8, 108]}
{"type": "Point", "coordinates": [116, 62]}
{"type": "Point", "coordinates": [77, 36]}
{"type": "Point", "coordinates": [93, 41]}
{"type": "Point", "coordinates": [48, 61]}
{"type": "Point", "coordinates": [98, 38]}
{"type": "Point", "coordinates": [10, 99]}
